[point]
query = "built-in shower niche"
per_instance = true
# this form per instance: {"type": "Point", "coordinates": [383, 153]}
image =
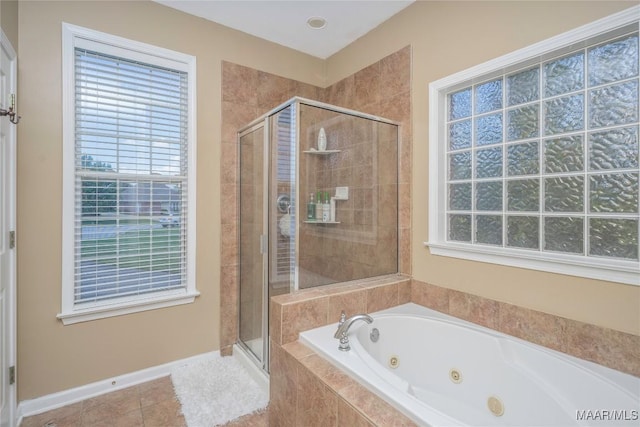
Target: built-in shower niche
{"type": "Point", "coordinates": [281, 165]}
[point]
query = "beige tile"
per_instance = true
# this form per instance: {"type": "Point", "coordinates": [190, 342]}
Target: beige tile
{"type": "Point", "coordinates": [614, 349]}
{"type": "Point", "coordinates": [164, 414]}
{"type": "Point", "coordinates": [331, 375]}
{"type": "Point", "coordinates": [341, 93]}
{"type": "Point", "coordinates": [397, 108]}
{"type": "Point", "coordinates": [239, 84]}
{"type": "Point", "coordinates": [534, 326]}
{"type": "Point", "coordinates": [120, 419]}
{"type": "Point", "coordinates": [348, 416]}
{"type": "Point", "coordinates": [382, 297]}
{"type": "Point", "coordinates": [395, 71]}
{"type": "Point", "coordinates": [317, 404]}
{"type": "Point", "coordinates": [376, 409]}
{"type": "Point", "coordinates": [434, 297]}
{"type": "Point", "coordinates": [305, 90]}
{"type": "Point", "coordinates": [404, 292]}
{"type": "Point", "coordinates": [229, 201]}
{"type": "Point", "coordinates": [156, 391]}
{"type": "Point", "coordinates": [282, 387]}
{"type": "Point", "coordinates": [404, 205]}
{"type": "Point", "coordinates": [228, 305]}
{"type": "Point", "coordinates": [234, 117]}
{"type": "Point", "coordinates": [297, 350]}
{"type": "Point", "coordinates": [226, 350]}
{"type": "Point", "coordinates": [229, 163]}
{"type": "Point", "coordinates": [404, 251]}
{"type": "Point", "coordinates": [351, 303]}
{"type": "Point", "coordinates": [367, 86]}
{"type": "Point", "coordinates": [303, 316]}
{"type": "Point", "coordinates": [126, 398]}
{"type": "Point", "coordinates": [296, 297]}
{"type": "Point", "coordinates": [272, 90]}
{"type": "Point", "coordinates": [472, 308]}
{"type": "Point", "coordinates": [275, 322]}
{"type": "Point", "coordinates": [104, 407]}
{"type": "Point", "coordinates": [68, 422]}
{"type": "Point", "coordinates": [229, 244]}
{"type": "Point", "coordinates": [404, 153]}
{"type": "Point", "coordinates": [340, 288]}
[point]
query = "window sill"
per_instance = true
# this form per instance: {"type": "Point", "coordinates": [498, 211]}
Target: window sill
{"type": "Point", "coordinates": [130, 306]}
{"type": "Point", "coordinates": [627, 272]}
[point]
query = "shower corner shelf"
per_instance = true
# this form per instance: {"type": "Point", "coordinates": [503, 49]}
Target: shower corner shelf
{"type": "Point", "coordinates": [321, 153]}
{"type": "Point", "coordinates": [321, 222]}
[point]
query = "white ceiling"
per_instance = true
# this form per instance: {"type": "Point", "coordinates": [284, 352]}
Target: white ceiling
{"type": "Point", "coordinates": [285, 21]}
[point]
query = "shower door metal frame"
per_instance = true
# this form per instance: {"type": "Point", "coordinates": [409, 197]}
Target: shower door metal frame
{"type": "Point", "coordinates": [264, 244]}
{"type": "Point", "coordinates": [263, 121]}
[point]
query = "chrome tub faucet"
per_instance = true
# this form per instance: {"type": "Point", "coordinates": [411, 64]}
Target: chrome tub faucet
{"type": "Point", "coordinates": [343, 328]}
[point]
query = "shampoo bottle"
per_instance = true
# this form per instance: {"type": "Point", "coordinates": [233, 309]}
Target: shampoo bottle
{"type": "Point", "coordinates": [311, 208]}
{"type": "Point", "coordinates": [326, 209]}
{"type": "Point", "coordinates": [332, 210]}
{"type": "Point", "coordinates": [319, 207]}
{"type": "Point", "coordinates": [322, 140]}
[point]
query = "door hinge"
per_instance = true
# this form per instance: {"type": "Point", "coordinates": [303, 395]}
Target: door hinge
{"type": "Point", "coordinates": [12, 239]}
{"type": "Point", "coordinates": [12, 375]}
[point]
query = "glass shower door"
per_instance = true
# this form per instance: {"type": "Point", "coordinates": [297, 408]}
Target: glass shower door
{"type": "Point", "coordinates": [252, 233]}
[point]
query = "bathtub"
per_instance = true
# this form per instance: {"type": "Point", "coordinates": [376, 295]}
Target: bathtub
{"type": "Point", "coordinates": [443, 371]}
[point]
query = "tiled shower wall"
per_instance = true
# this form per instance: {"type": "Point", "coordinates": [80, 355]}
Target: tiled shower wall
{"type": "Point", "coordinates": [381, 89]}
{"type": "Point", "coordinates": [363, 243]}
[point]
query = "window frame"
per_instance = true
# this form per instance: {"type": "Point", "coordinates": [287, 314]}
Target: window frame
{"type": "Point", "coordinates": [74, 36]}
{"type": "Point", "coordinates": [614, 270]}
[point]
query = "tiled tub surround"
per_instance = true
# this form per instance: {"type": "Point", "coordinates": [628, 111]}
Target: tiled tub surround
{"type": "Point", "coordinates": [305, 387]}
{"type": "Point", "coordinates": [382, 89]}
{"type": "Point", "coordinates": [307, 390]}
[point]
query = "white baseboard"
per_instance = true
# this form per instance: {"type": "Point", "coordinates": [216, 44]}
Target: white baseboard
{"type": "Point", "coordinates": [66, 397]}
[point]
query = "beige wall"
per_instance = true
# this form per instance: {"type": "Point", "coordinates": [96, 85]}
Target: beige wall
{"type": "Point", "coordinates": [445, 37]}
{"type": "Point", "coordinates": [448, 37]}
{"type": "Point", "coordinates": [52, 357]}
{"type": "Point", "coordinates": [9, 20]}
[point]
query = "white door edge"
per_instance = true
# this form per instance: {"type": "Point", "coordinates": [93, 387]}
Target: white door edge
{"type": "Point", "coordinates": [11, 131]}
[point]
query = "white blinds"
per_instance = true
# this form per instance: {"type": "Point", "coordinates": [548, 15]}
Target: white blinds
{"type": "Point", "coordinates": [286, 175]}
{"type": "Point", "coordinates": [130, 178]}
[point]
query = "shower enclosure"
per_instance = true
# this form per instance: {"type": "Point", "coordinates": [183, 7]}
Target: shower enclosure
{"type": "Point", "coordinates": [288, 238]}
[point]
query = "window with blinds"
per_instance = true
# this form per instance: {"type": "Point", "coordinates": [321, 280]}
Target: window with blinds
{"type": "Point", "coordinates": [130, 145]}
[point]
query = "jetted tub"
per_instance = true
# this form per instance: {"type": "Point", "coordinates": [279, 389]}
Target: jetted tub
{"type": "Point", "coordinates": [443, 371]}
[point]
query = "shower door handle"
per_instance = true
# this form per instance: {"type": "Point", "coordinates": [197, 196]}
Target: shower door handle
{"type": "Point", "coordinates": [263, 243]}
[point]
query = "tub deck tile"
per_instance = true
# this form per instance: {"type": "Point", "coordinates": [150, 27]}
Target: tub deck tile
{"type": "Point", "coordinates": [297, 350]}
{"type": "Point", "coordinates": [305, 315]}
{"type": "Point", "coordinates": [351, 303]}
{"type": "Point", "coordinates": [317, 403]}
{"type": "Point", "coordinates": [331, 375]}
{"type": "Point", "coordinates": [382, 297]}
{"type": "Point", "coordinates": [377, 410]}
{"type": "Point", "coordinates": [349, 416]}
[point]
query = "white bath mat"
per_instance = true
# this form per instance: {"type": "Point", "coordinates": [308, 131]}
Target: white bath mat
{"type": "Point", "coordinates": [216, 391]}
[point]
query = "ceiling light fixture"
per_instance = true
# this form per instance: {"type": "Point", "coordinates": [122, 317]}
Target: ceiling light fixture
{"type": "Point", "coordinates": [317, 22]}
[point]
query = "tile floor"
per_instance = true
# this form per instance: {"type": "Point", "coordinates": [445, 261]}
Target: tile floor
{"type": "Point", "coordinates": [151, 404]}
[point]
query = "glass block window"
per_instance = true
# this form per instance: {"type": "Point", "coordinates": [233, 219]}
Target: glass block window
{"type": "Point", "coordinates": [541, 156]}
